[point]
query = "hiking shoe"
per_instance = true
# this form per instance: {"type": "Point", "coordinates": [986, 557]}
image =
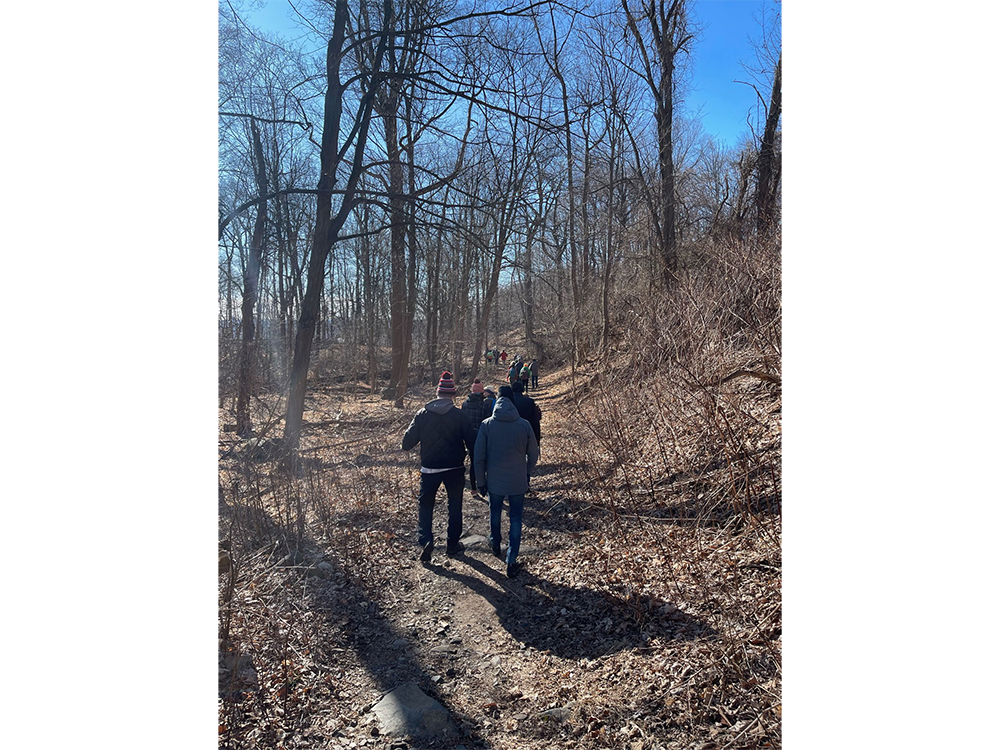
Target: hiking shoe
{"type": "Point", "coordinates": [425, 556]}
{"type": "Point", "coordinates": [458, 549]}
{"type": "Point", "coordinates": [497, 553]}
{"type": "Point", "coordinates": [513, 569]}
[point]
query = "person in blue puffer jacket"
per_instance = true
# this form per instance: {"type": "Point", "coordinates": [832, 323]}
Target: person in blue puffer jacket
{"type": "Point", "coordinates": [505, 456]}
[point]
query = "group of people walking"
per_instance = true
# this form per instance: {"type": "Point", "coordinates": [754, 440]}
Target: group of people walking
{"type": "Point", "coordinates": [501, 432]}
{"type": "Point", "coordinates": [520, 368]}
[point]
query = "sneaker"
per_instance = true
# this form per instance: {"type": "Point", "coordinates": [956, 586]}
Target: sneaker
{"type": "Point", "coordinates": [513, 569]}
{"type": "Point", "coordinates": [458, 549]}
{"type": "Point", "coordinates": [425, 556]}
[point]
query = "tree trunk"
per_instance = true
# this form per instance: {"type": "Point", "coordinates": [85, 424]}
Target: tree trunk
{"type": "Point", "coordinates": [397, 247]}
{"type": "Point", "coordinates": [766, 182]}
{"type": "Point", "coordinates": [665, 137]}
{"type": "Point", "coordinates": [251, 279]}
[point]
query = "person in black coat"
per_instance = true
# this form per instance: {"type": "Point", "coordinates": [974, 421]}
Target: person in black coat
{"type": "Point", "coordinates": [527, 408]}
{"type": "Point", "coordinates": [444, 433]}
{"type": "Point", "coordinates": [478, 407]}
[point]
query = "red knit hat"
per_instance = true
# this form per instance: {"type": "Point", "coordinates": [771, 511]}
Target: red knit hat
{"type": "Point", "coordinates": [477, 386]}
{"type": "Point", "coordinates": [446, 385]}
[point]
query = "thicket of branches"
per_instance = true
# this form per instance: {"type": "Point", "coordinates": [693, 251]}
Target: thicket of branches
{"type": "Point", "coordinates": [494, 172]}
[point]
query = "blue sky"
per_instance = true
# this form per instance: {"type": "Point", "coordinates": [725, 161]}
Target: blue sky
{"type": "Point", "coordinates": [728, 30]}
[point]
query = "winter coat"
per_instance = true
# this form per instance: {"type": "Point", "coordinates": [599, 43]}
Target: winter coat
{"type": "Point", "coordinates": [478, 407]}
{"type": "Point", "coordinates": [506, 451]}
{"type": "Point", "coordinates": [529, 410]}
{"type": "Point", "coordinates": [444, 432]}
{"type": "Point", "coordinates": [534, 367]}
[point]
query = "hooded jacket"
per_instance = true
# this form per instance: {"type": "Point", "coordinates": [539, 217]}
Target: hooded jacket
{"type": "Point", "coordinates": [506, 451]}
{"type": "Point", "coordinates": [444, 432]}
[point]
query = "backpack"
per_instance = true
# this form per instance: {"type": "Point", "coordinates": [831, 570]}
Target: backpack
{"type": "Point", "coordinates": [525, 372]}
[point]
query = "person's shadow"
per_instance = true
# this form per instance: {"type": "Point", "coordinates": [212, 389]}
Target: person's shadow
{"type": "Point", "coordinates": [572, 623]}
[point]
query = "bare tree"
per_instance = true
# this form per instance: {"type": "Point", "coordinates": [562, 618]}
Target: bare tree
{"type": "Point", "coordinates": [328, 225]}
{"type": "Point", "coordinates": [768, 164]}
{"type": "Point", "coordinates": [251, 280]}
{"type": "Point", "coordinates": [668, 26]}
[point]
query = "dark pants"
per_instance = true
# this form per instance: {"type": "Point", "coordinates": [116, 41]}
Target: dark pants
{"type": "Point", "coordinates": [524, 382]}
{"type": "Point", "coordinates": [534, 380]}
{"type": "Point", "coordinates": [454, 481]}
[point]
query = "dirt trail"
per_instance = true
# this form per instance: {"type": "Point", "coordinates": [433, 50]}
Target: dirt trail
{"type": "Point", "coordinates": [543, 660]}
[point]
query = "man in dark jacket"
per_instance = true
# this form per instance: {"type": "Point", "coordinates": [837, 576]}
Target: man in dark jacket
{"type": "Point", "coordinates": [506, 454]}
{"type": "Point", "coordinates": [444, 432]}
{"type": "Point", "coordinates": [527, 409]}
{"type": "Point", "coordinates": [478, 407]}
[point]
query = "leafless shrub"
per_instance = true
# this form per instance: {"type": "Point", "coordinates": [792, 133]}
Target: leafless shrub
{"type": "Point", "coordinates": [686, 419]}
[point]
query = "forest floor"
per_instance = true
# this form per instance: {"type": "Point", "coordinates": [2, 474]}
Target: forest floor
{"type": "Point", "coordinates": [315, 632]}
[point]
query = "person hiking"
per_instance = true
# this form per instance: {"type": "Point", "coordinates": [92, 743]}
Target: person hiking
{"type": "Point", "coordinates": [525, 375]}
{"type": "Point", "coordinates": [530, 412]}
{"type": "Point", "coordinates": [489, 356]}
{"type": "Point", "coordinates": [506, 453]}
{"type": "Point", "coordinates": [444, 433]}
{"type": "Point", "coordinates": [478, 407]}
{"type": "Point", "coordinates": [526, 407]}
{"type": "Point", "coordinates": [512, 374]}
{"type": "Point", "coordinates": [503, 357]}
{"type": "Point", "coordinates": [534, 374]}
{"type": "Point", "coordinates": [491, 397]}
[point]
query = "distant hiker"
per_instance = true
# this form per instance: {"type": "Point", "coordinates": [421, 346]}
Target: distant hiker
{"type": "Point", "coordinates": [489, 356]}
{"type": "Point", "coordinates": [503, 357]}
{"type": "Point", "coordinates": [525, 375]}
{"type": "Point", "coordinates": [513, 376]}
{"type": "Point", "coordinates": [534, 374]}
{"type": "Point", "coordinates": [506, 454]}
{"type": "Point", "coordinates": [444, 434]}
{"type": "Point", "coordinates": [478, 408]}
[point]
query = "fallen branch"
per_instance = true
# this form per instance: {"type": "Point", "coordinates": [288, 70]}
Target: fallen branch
{"type": "Point", "coordinates": [753, 373]}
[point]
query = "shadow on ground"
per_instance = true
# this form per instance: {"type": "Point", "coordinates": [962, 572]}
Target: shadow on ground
{"type": "Point", "coordinates": [572, 623]}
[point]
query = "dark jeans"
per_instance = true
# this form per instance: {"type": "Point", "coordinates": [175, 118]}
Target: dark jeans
{"type": "Point", "coordinates": [534, 381]}
{"type": "Point", "coordinates": [516, 503]}
{"type": "Point", "coordinates": [454, 481]}
{"type": "Point", "coordinates": [524, 382]}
